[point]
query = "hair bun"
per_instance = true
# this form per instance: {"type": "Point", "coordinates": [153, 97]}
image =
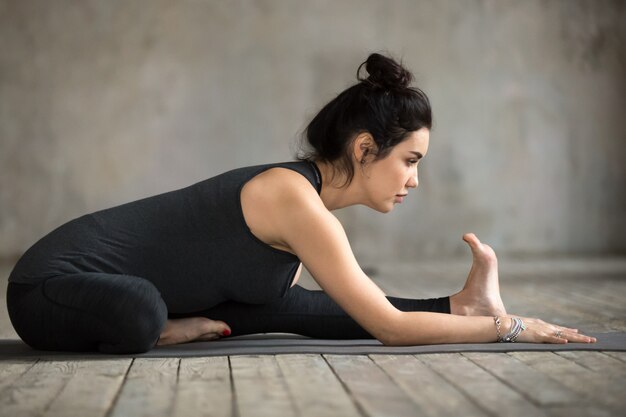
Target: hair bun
{"type": "Point", "coordinates": [385, 73]}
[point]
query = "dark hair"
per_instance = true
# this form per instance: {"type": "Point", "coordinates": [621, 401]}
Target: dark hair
{"type": "Point", "coordinates": [382, 104]}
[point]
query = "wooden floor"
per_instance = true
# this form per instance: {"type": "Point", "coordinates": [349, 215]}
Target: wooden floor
{"type": "Point", "coordinates": [585, 293]}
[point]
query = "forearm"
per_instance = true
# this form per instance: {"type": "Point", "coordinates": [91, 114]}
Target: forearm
{"type": "Point", "coordinates": [426, 328]}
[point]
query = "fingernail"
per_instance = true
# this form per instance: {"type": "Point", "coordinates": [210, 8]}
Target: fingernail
{"type": "Point", "coordinates": [226, 332]}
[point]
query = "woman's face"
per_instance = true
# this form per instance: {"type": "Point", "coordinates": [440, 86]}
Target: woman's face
{"type": "Point", "coordinates": [388, 179]}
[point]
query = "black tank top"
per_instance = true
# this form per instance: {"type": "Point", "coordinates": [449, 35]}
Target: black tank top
{"type": "Point", "coordinates": [193, 244]}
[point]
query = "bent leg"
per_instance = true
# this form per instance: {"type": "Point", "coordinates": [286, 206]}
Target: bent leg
{"type": "Point", "coordinates": [88, 311]}
{"type": "Point", "coordinates": [305, 312]}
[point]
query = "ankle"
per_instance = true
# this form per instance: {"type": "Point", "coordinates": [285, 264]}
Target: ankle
{"type": "Point", "coordinates": [458, 306]}
{"type": "Point", "coordinates": [167, 331]}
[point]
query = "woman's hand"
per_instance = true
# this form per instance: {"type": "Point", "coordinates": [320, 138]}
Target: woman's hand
{"type": "Point", "coordinates": [538, 331]}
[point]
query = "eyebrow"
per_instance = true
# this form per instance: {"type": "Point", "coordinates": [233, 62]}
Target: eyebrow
{"type": "Point", "coordinates": [419, 155]}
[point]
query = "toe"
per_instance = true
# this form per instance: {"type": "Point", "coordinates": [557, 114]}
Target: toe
{"type": "Point", "coordinates": [213, 329]}
{"type": "Point", "coordinates": [472, 240]}
{"type": "Point", "coordinates": [222, 328]}
{"type": "Point", "coordinates": [214, 326]}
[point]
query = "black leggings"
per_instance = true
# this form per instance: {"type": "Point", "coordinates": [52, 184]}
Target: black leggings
{"type": "Point", "coordinates": [122, 314]}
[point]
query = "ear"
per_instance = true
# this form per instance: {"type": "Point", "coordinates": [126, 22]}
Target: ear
{"type": "Point", "coordinates": [364, 146]}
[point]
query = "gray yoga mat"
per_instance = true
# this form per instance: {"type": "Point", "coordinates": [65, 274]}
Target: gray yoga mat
{"type": "Point", "coordinates": [280, 343]}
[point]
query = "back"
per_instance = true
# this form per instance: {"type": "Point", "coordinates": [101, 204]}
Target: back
{"type": "Point", "coordinates": [192, 243]}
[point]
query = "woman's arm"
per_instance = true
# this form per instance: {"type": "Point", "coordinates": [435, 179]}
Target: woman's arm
{"type": "Point", "coordinates": [317, 237]}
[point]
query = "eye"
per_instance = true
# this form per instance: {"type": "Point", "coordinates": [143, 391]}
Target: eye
{"type": "Point", "coordinates": [413, 161]}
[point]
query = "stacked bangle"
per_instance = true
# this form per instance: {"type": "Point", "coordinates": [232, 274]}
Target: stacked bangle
{"type": "Point", "coordinates": [517, 326]}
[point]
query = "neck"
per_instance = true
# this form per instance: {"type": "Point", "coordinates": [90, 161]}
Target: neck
{"type": "Point", "coordinates": [334, 197]}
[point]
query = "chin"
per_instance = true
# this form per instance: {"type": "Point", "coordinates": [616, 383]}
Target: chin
{"type": "Point", "coordinates": [385, 209]}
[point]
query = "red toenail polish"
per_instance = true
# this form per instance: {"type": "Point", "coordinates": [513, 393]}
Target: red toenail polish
{"type": "Point", "coordinates": [226, 332]}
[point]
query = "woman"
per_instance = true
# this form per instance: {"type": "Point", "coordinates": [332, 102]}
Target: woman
{"type": "Point", "coordinates": [222, 256]}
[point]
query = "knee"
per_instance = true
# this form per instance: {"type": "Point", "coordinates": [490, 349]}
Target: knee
{"type": "Point", "coordinates": [141, 328]}
{"type": "Point", "coordinates": [147, 326]}
{"type": "Point", "coordinates": [139, 333]}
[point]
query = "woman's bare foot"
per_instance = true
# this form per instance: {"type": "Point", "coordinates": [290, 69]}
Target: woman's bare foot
{"type": "Point", "coordinates": [192, 329]}
{"type": "Point", "coordinates": [481, 294]}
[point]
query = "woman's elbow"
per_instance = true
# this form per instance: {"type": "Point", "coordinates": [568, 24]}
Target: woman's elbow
{"type": "Point", "coordinates": [387, 342]}
{"type": "Point", "coordinates": [389, 334]}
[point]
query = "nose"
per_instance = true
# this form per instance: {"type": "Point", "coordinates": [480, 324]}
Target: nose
{"type": "Point", "coordinates": [413, 181]}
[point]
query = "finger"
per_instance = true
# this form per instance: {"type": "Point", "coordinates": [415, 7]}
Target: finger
{"type": "Point", "coordinates": [576, 337]}
{"type": "Point", "coordinates": [579, 338]}
{"type": "Point", "coordinates": [554, 339]}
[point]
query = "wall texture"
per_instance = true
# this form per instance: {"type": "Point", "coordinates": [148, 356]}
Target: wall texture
{"type": "Point", "coordinates": [106, 102]}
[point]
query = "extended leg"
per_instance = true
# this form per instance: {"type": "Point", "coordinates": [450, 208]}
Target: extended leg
{"type": "Point", "coordinates": [304, 312]}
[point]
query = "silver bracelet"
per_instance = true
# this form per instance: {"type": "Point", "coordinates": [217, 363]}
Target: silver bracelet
{"type": "Point", "coordinates": [522, 327]}
{"type": "Point", "coordinates": [517, 326]}
{"type": "Point", "coordinates": [496, 320]}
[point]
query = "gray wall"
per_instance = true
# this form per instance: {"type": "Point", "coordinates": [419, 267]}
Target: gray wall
{"type": "Point", "coordinates": [103, 102]}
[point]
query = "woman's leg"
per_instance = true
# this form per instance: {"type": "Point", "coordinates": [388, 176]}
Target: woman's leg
{"type": "Point", "coordinates": [87, 312]}
{"type": "Point", "coordinates": [304, 312]}
{"type": "Point", "coordinates": [313, 313]}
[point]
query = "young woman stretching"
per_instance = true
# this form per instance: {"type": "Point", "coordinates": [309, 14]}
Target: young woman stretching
{"type": "Point", "coordinates": [222, 256]}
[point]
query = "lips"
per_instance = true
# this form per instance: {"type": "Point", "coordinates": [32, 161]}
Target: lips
{"type": "Point", "coordinates": [400, 197]}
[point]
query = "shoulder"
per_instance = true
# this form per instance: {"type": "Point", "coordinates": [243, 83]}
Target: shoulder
{"type": "Point", "coordinates": [282, 185]}
{"type": "Point", "coordinates": [276, 198]}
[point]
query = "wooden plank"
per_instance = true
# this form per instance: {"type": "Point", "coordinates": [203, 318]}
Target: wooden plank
{"type": "Point", "coordinates": [480, 386]}
{"type": "Point", "coordinates": [91, 389]}
{"type": "Point", "coordinates": [603, 289]}
{"type": "Point", "coordinates": [315, 389]}
{"type": "Point", "coordinates": [535, 385]}
{"type": "Point", "coordinates": [582, 411]}
{"type": "Point", "coordinates": [617, 355]}
{"type": "Point", "coordinates": [434, 395]}
{"type": "Point", "coordinates": [11, 370]}
{"type": "Point", "coordinates": [549, 302]}
{"type": "Point", "coordinates": [558, 310]}
{"type": "Point", "coordinates": [31, 393]}
{"type": "Point", "coordinates": [260, 387]}
{"type": "Point", "coordinates": [148, 389]}
{"type": "Point", "coordinates": [577, 297]}
{"type": "Point", "coordinates": [204, 388]}
{"type": "Point", "coordinates": [593, 388]}
{"type": "Point", "coordinates": [371, 387]}
{"type": "Point", "coordinates": [597, 362]}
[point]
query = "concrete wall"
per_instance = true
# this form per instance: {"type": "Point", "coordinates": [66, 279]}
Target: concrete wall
{"type": "Point", "coordinates": [104, 102]}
